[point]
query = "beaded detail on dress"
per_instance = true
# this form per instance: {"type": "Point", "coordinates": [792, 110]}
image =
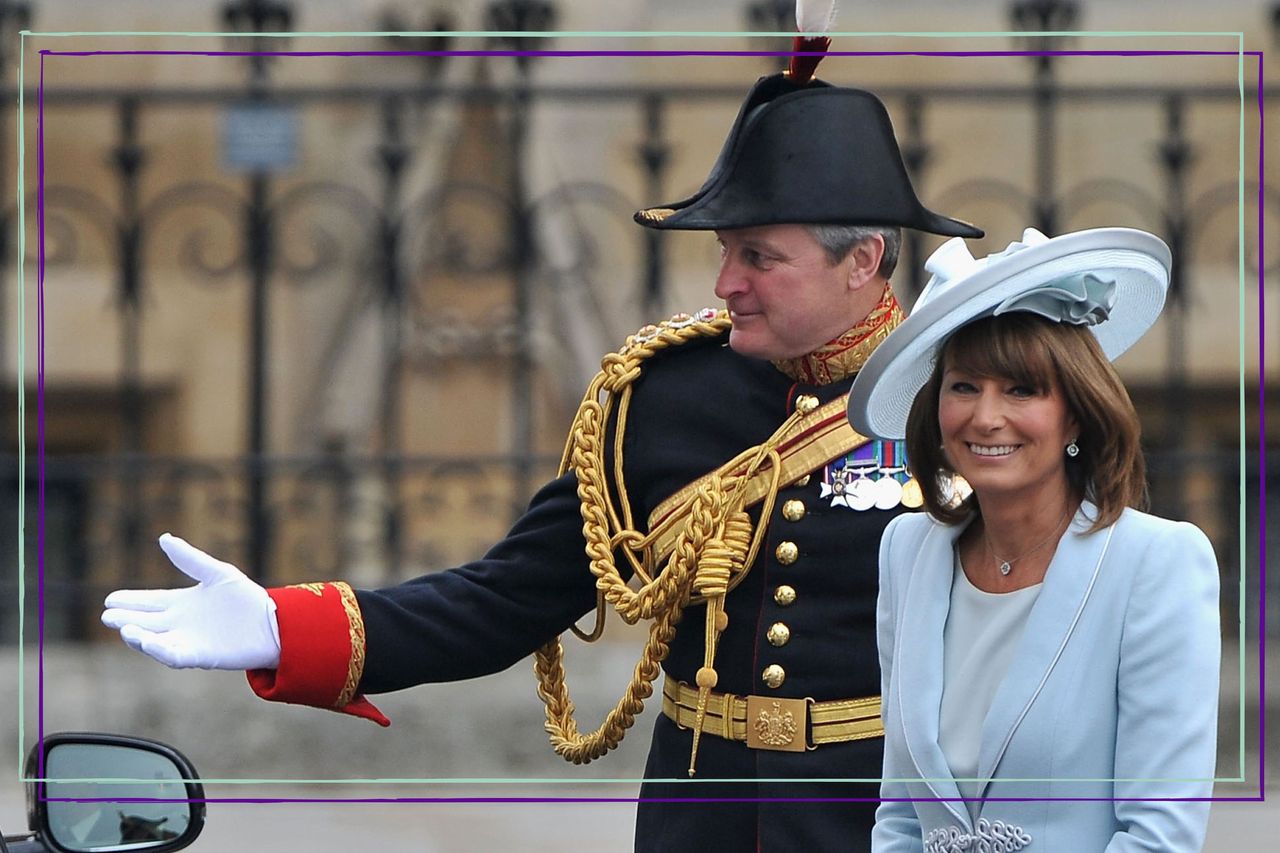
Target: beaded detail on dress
{"type": "Point", "coordinates": [987, 837]}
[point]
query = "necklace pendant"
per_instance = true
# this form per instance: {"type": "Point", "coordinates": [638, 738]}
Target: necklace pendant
{"type": "Point", "coordinates": [1005, 567]}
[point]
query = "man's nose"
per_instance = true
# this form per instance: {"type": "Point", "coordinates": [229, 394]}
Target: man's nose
{"type": "Point", "coordinates": [730, 280]}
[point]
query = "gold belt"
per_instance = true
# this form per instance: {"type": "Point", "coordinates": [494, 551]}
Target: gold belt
{"type": "Point", "coordinates": [789, 725]}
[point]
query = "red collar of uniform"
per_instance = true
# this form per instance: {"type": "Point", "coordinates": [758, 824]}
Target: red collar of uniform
{"type": "Point", "coordinates": [844, 356]}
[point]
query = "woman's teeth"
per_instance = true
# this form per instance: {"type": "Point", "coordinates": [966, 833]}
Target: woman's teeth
{"type": "Point", "coordinates": [998, 450]}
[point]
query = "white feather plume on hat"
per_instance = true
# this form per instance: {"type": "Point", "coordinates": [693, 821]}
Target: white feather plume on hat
{"type": "Point", "coordinates": [813, 21]}
{"type": "Point", "coordinates": [815, 18]}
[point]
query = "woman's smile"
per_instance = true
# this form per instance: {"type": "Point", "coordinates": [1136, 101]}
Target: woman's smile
{"type": "Point", "coordinates": [992, 451]}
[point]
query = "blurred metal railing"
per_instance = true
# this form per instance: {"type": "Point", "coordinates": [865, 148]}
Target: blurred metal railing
{"type": "Point", "coordinates": [330, 514]}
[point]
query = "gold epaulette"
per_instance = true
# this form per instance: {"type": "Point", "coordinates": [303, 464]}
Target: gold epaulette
{"type": "Point", "coordinates": [680, 328]}
{"type": "Point", "coordinates": [619, 369]}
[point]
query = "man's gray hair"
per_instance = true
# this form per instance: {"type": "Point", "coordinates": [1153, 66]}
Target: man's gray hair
{"type": "Point", "coordinates": [838, 240]}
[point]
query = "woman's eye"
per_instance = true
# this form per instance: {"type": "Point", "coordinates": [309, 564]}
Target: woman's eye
{"type": "Point", "coordinates": [1023, 391]}
{"type": "Point", "coordinates": [961, 387]}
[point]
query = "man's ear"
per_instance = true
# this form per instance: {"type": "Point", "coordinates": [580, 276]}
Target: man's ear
{"type": "Point", "coordinates": [864, 261]}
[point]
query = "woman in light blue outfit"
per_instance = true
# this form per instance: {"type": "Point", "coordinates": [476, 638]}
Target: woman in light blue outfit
{"type": "Point", "coordinates": [1049, 653]}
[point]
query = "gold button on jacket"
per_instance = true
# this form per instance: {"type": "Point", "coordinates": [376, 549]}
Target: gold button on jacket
{"type": "Point", "coordinates": [774, 675]}
{"type": "Point", "coordinates": [784, 595]}
{"type": "Point", "coordinates": [779, 634]}
{"type": "Point", "coordinates": [793, 510]}
{"type": "Point", "coordinates": [787, 553]}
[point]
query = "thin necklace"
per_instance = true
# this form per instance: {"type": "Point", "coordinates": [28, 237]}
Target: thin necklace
{"type": "Point", "coordinates": [1006, 566]}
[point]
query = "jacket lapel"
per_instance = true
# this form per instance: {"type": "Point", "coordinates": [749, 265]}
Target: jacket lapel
{"type": "Point", "coordinates": [1068, 583]}
{"type": "Point", "coordinates": [918, 676]}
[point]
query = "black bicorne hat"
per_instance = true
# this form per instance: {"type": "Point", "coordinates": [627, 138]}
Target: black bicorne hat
{"type": "Point", "coordinates": [812, 154]}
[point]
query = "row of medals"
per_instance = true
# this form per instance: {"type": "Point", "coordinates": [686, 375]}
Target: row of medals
{"type": "Point", "coordinates": [862, 485]}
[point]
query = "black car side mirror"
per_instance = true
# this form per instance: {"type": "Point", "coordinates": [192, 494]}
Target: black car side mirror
{"type": "Point", "coordinates": [110, 792]}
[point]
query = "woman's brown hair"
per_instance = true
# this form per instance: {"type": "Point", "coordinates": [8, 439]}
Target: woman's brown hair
{"type": "Point", "coordinates": [1029, 349]}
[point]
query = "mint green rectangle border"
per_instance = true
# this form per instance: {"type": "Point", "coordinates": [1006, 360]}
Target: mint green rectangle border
{"type": "Point", "coordinates": [21, 255]}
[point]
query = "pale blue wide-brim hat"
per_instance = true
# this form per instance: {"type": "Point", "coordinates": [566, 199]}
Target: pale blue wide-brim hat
{"type": "Point", "coordinates": [1112, 279]}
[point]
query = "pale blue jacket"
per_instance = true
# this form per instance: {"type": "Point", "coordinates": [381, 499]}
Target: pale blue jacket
{"type": "Point", "coordinates": [1113, 693]}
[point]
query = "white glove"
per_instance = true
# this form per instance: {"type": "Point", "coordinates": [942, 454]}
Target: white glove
{"type": "Point", "coordinates": [226, 621]}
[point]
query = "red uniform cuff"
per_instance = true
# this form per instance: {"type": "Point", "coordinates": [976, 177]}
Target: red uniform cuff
{"type": "Point", "coordinates": [322, 647]}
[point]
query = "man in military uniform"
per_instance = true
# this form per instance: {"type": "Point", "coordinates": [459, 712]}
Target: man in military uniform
{"type": "Point", "coordinates": [740, 500]}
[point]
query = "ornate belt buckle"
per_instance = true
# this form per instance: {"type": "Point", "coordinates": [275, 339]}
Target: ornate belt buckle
{"type": "Point", "coordinates": [777, 724]}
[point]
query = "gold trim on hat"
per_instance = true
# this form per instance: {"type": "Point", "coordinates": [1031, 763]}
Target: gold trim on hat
{"type": "Point", "coordinates": [655, 214]}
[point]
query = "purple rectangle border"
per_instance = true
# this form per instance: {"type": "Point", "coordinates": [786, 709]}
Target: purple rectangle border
{"type": "Point", "coordinates": [1262, 487]}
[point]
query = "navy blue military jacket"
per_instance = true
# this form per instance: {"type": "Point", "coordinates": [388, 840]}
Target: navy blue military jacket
{"type": "Point", "coordinates": [694, 408]}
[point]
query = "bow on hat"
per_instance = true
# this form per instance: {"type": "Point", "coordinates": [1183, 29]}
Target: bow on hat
{"type": "Point", "coordinates": [1081, 299]}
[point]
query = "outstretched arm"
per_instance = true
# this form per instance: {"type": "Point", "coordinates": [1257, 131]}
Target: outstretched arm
{"type": "Point", "coordinates": [326, 645]}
